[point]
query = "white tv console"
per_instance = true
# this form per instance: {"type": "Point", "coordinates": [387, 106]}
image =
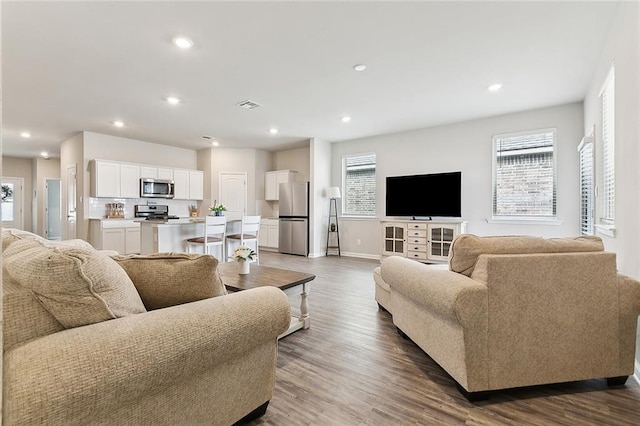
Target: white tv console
{"type": "Point", "coordinates": [427, 241]}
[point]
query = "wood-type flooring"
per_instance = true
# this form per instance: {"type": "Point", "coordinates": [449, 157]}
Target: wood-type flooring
{"type": "Point", "coordinates": [352, 368]}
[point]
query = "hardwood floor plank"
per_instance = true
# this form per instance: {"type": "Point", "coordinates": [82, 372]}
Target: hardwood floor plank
{"type": "Point", "coordinates": [352, 368]}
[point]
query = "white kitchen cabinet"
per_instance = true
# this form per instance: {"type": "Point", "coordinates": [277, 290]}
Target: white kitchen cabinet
{"type": "Point", "coordinates": [149, 172]}
{"type": "Point", "coordinates": [164, 173]}
{"type": "Point", "coordinates": [269, 233]}
{"type": "Point", "coordinates": [181, 181]}
{"type": "Point", "coordinates": [122, 236]}
{"type": "Point", "coordinates": [189, 184]}
{"type": "Point", "coordinates": [129, 180]}
{"type": "Point", "coordinates": [105, 178]}
{"type": "Point", "coordinates": [272, 181]}
{"type": "Point", "coordinates": [196, 185]}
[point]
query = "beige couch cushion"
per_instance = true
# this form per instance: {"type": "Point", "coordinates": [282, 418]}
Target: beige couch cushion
{"type": "Point", "coordinates": [467, 247]}
{"type": "Point", "coordinates": [10, 235]}
{"type": "Point", "coordinates": [77, 284]}
{"type": "Point", "coordinates": [167, 279]}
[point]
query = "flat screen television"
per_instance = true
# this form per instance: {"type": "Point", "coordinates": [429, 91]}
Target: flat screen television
{"type": "Point", "coordinates": [430, 195]}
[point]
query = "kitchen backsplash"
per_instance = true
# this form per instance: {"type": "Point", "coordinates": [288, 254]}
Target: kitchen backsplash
{"type": "Point", "coordinates": [98, 209]}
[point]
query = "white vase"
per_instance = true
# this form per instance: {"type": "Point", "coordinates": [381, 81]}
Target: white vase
{"type": "Point", "coordinates": [244, 267]}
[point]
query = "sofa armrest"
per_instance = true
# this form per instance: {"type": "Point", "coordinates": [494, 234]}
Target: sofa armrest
{"type": "Point", "coordinates": [443, 292]}
{"type": "Point", "coordinates": [72, 373]}
{"type": "Point", "coordinates": [629, 295]}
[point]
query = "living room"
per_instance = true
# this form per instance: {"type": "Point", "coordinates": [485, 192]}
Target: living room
{"type": "Point", "coordinates": [463, 145]}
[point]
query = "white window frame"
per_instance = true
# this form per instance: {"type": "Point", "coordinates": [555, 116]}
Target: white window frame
{"type": "Point", "coordinates": [343, 187]}
{"type": "Point", "coordinates": [529, 219]}
{"type": "Point", "coordinates": [606, 182]}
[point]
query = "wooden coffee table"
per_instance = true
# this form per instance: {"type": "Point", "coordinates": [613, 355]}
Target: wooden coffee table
{"type": "Point", "coordinates": [263, 276]}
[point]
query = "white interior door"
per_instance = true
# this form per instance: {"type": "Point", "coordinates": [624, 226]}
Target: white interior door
{"type": "Point", "coordinates": [233, 194]}
{"type": "Point", "coordinates": [70, 223]}
{"type": "Point", "coordinates": [12, 202]}
{"type": "Point", "coordinates": [53, 210]}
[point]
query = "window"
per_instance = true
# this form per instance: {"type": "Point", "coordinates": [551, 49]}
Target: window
{"type": "Point", "coordinates": [585, 150]}
{"type": "Point", "coordinates": [607, 213]}
{"type": "Point", "coordinates": [524, 175]}
{"type": "Point", "coordinates": [359, 185]}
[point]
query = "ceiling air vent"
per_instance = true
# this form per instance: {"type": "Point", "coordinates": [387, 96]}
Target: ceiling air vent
{"type": "Point", "coordinates": [248, 104]}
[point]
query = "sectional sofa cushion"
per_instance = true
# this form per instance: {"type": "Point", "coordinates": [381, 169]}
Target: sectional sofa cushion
{"type": "Point", "coordinates": [167, 279]}
{"type": "Point", "coordinates": [77, 284]}
{"type": "Point", "coordinates": [467, 247]}
{"type": "Point", "coordinates": [9, 235]}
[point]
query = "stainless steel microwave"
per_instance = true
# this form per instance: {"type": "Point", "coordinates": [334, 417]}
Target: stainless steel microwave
{"type": "Point", "coordinates": [156, 188]}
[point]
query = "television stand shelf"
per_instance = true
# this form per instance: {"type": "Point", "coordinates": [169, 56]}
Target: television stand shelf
{"type": "Point", "coordinates": [427, 241]}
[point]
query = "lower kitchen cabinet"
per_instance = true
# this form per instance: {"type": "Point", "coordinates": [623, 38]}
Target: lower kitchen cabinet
{"type": "Point", "coordinates": [269, 233]}
{"type": "Point", "coordinates": [120, 235]}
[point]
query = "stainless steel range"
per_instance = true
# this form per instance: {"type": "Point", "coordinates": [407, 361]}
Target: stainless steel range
{"type": "Point", "coordinates": [154, 212]}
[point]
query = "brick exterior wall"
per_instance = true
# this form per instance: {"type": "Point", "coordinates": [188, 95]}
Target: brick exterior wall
{"type": "Point", "coordinates": [360, 185]}
{"type": "Point", "coordinates": [525, 185]}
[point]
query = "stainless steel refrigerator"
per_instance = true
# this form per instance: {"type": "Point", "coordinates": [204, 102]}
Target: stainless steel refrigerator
{"type": "Point", "coordinates": [293, 206]}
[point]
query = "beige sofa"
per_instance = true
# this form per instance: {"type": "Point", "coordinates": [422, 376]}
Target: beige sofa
{"type": "Point", "coordinates": [517, 311]}
{"type": "Point", "coordinates": [80, 347]}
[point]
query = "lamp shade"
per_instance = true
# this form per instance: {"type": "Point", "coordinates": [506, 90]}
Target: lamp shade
{"type": "Point", "coordinates": [333, 192]}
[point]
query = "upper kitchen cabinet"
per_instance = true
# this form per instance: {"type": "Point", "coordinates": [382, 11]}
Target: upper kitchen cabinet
{"type": "Point", "coordinates": [272, 181]}
{"type": "Point", "coordinates": [189, 184]}
{"type": "Point", "coordinates": [110, 179]}
{"type": "Point", "coordinates": [150, 172]}
{"type": "Point", "coordinates": [164, 173]}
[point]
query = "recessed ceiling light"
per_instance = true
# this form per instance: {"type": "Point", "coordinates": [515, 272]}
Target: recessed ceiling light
{"type": "Point", "coordinates": [25, 134]}
{"type": "Point", "coordinates": [273, 130]}
{"type": "Point", "coordinates": [183, 42]}
{"type": "Point", "coordinates": [173, 100]}
{"type": "Point", "coordinates": [206, 137]}
{"type": "Point", "coordinates": [215, 143]}
{"type": "Point", "coordinates": [495, 87]}
{"type": "Point", "coordinates": [118, 123]}
{"type": "Point", "coordinates": [359, 67]}
{"type": "Point", "coordinates": [44, 154]}
{"type": "Point", "coordinates": [346, 119]}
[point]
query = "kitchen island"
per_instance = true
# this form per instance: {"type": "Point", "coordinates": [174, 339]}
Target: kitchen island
{"type": "Point", "coordinates": [161, 236]}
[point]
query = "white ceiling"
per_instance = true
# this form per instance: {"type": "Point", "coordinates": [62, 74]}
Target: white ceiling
{"type": "Point", "coordinates": [73, 66]}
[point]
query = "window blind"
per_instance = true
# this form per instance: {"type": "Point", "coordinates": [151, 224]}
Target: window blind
{"type": "Point", "coordinates": [585, 150]}
{"type": "Point", "coordinates": [608, 150]}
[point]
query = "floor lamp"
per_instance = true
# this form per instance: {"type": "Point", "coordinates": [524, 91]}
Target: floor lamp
{"type": "Point", "coordinates": [333, 193]}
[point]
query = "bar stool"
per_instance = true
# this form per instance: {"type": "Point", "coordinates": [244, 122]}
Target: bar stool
{"type": "Point", "coordinates": [215, 230]}
{"type": "Point", "coordinates": [249, 228]}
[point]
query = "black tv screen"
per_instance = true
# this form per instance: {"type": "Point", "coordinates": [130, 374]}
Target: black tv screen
{"type": "Point", "coordinates": [429, 195]}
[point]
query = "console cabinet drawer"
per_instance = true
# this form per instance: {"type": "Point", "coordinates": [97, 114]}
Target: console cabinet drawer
{"type": "Point", "coordinates": [417, 255]}
{"type": "Point", "coordinates": [422, 248]}
{"type": "Point", "coordinates": [417, 240]}
{"type": "Point", "coordinates": [417, 233]}
{"type": "Point", "coordinates": [417, 226]}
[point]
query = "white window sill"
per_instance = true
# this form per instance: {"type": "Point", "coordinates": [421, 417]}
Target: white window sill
{"type": "Point", "coordinates": [355, 217]}
{"type": "Point", "coordinates": [608, 230]}
{"type": "Point", "coordinates": [522, 220]}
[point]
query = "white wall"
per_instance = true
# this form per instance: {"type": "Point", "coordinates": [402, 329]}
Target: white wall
{"type": "Point", "coordinates": [294, 159]}
{"type": "Point", "coordinates": [115, 148]}
{"type": "Point", "coordinates": [623, 48]}
{"type": "Point", "coordinates": [72, 152]}
{"type": "Point", "coordinates": [466, 147]}
{"type": "Point", "coordinates": [320, 177]}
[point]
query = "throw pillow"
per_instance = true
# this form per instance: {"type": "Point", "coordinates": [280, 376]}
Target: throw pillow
{"type": "Point", "coordinates": [77, 284]}
{"type": "Point", "coordinates": [167, 279]}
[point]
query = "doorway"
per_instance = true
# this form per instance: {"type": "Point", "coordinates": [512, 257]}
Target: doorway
{"type": "Point", "coordinates": [12, 202]}
{"type": "Point", "coordinates": [52, 210]}
{"type": "Point", "coordinates": [233, 194]}
{"type": "Point", "coordinates": [70, 197]}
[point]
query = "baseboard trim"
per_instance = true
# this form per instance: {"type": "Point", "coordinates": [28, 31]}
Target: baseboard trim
{"type": "Point", "coordinates": [361, 255]}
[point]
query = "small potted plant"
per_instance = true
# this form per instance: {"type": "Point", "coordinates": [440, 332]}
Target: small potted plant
{"type": "Point", "coordinates": [243, 255]}
{"type": "Point", "coordinates": [217, 209]}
